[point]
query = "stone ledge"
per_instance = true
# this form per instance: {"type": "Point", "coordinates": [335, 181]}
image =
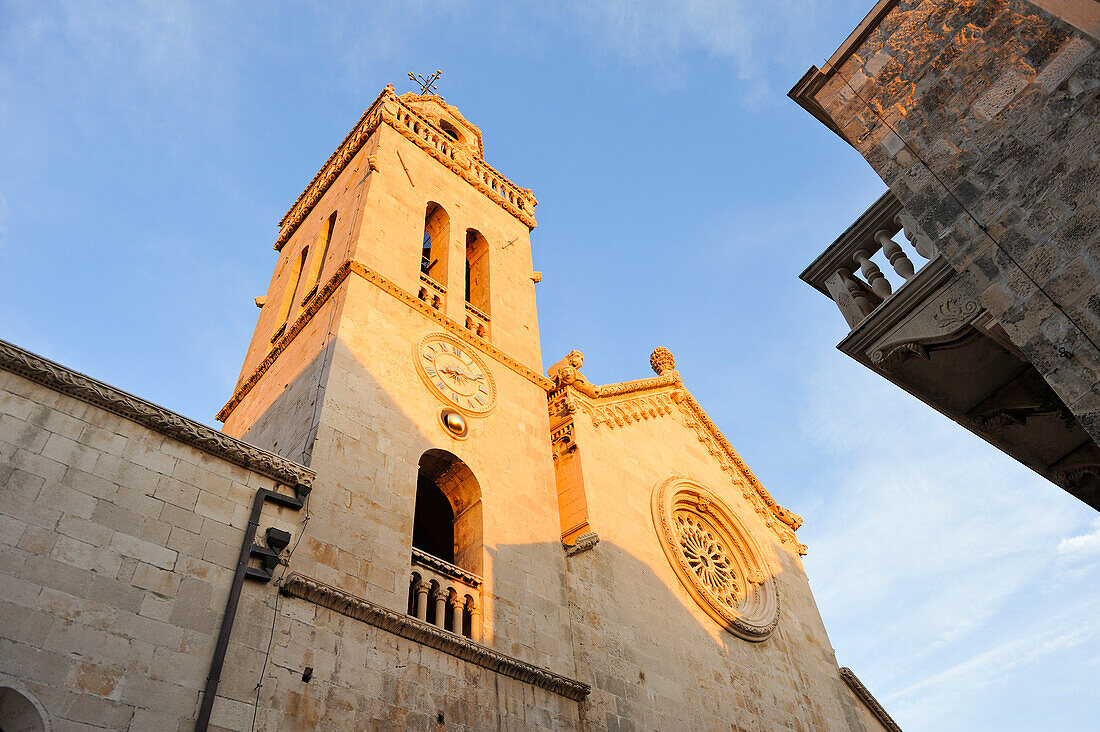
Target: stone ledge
{"type": "Point", "coordinates": [420, 632]}
{"type": "Point", "coordinates": [868, 699]}
{"type": "Point", "coordinates": [78, 386]}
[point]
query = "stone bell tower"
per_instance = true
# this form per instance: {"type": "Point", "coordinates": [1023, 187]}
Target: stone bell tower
{"type": "Point", "coordinates": [397, 353]}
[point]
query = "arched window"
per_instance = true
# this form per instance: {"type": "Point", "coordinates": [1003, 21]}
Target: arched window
{"type": "Point", "coordinates": [433, 255]}
{"type": "Point", "coordinates": [450, 131]}
{"type": "Point", "coordinates": [477, 270]}
{"type": "Point", "coordinates": [320, 254]}
{"type": "Point", "coordinates": [292, 284]}
{"type": "Point", "coordinates": [445, 582]}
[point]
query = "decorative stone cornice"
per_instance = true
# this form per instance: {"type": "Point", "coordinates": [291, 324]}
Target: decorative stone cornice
{"type": "Point", "coordinates": [86, 389]}
{"type": "Point", "coordinates": [450, 325]}
{"type": "Point", "coordinates": [368, 274]}
{"type": "Point", "coordinates": [418, 631]}
{"type": "Point", "coordinates": [868, 699]}
{"type": "Point", "coordinates": [390, 109]}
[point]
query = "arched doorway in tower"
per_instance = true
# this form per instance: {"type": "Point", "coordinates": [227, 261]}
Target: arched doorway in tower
{"type": "Point", "coordinates": [445, 582]}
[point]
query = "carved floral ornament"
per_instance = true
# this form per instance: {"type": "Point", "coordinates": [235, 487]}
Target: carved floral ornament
{"type": "Point", "coordinates": [715, 558]}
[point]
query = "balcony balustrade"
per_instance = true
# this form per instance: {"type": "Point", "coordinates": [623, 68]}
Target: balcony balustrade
{"type": "Point", "coordinates": [431, 292]}
{"type": "Point", "coordinates": [444, 595]}
{"type": "Point", "coordinates": [477, 322]}
{"type": "Point", "coordinates": [871, 236]}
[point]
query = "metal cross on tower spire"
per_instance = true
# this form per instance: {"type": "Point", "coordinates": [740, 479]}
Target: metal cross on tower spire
{"type": "Point", "coordinates": [427, 85]}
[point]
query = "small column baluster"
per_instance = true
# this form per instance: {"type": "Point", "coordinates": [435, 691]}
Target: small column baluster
{"type": "Point", "coordinates": [456, 614]}
{"type": "Point", "coordinates": [440, 598]}
{"type": "Point", "coordinates": [475, 622]}
{"type": "Point", "coordinates": [875, 278]}
{"type": "Point", "coordinates": [920, 242]}
{"type": "Point", "coordinates": [422, 600]}
{"type": "Point", "coordinates": [893, 251]}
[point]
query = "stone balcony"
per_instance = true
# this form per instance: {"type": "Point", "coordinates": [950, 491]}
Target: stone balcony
{"type": "Point", "coordinates": [444, 595]}
{"type": "Point", "coordinates": [915, 321]}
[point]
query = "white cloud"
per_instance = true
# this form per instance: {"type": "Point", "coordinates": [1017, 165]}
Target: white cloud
{"type": "Point", "coordinates": [1083, 544]}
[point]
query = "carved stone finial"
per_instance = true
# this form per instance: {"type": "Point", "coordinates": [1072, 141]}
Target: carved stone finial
{"type": "Point", "coordinates": [662, 361]}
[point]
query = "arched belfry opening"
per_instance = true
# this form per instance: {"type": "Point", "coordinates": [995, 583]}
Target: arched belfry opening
{"type": "Point", "coordinates": [433, 255]}
{"type": "Point", "coordinates": [477, 270]}
{"type": "Point", "coordinates": [445, 581]}
{"type": "Point", "coordinates": [447, 519]}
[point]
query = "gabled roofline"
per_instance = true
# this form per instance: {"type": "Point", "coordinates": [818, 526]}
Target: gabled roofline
{"type": "Point", "coordinates": [782, 521]}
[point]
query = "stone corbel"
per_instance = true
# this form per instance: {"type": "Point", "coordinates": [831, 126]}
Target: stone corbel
{"type": "Point", "coordinates": [583, 543]}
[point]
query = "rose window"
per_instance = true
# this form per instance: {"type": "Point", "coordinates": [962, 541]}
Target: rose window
{"type": "Point", "coordinates": [716, 558]}
{"type": "Point", "coordinates": [708, 558]}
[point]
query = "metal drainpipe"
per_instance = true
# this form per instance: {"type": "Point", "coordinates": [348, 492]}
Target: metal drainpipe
{"type": "Point", "coordinates": [214, 677]}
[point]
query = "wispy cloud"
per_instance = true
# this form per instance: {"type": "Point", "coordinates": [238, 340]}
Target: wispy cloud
{"type": "Point", "coordinates": [1084, 544]}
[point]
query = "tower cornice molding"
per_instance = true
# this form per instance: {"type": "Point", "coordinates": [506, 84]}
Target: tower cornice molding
{"type": "Point", "coordinates": [388, 108]}
{"type": "Point", "coordinates": [383, 283]}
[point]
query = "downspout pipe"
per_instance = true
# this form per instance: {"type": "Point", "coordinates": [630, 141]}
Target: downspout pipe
{"type": "Point", "coordinates": [296, 501]}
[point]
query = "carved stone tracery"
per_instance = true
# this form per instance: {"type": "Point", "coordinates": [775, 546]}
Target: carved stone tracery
{"type": "Point", "coordinates": [715, 558]}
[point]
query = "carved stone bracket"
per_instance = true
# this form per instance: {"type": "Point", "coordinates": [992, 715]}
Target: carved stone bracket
{"type": "Point", "coordinates": [86, 389]}
{"type": "Point", "coordinates": [584, 543]}
{"type": "Point", "coordinates": [421, 632]}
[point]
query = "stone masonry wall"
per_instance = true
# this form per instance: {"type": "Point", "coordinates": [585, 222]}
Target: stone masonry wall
{"type": "Point", "coordinates": [117, 548]}
{"type": "Point", "coordinates": [983, 118]}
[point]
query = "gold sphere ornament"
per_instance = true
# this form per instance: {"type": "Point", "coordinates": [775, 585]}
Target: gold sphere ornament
{"type": "Point", "coordinates": [454, 422]}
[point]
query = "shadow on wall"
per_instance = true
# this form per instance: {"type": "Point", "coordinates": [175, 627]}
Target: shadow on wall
{"type": "Point", "coordinates": [651, 655]}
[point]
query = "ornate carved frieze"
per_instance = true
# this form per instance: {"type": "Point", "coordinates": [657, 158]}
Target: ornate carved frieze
{"type": "Point", "coordinates": [619, 413]}
{"type": "Point", "coordinates": [189, 432]}
{"type": "Point", "coordinates": [421, 632]}
{"type": "Point", "coordinates": [716, 558]}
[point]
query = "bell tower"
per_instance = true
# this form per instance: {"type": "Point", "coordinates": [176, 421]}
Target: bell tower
{"type": "Point", "coordinates": [397, 353]}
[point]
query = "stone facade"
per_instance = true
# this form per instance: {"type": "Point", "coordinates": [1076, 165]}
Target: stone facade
{"type": "Point", "coordinates": [982, 118]}
{"type": "Point", "coordinates": [656, 586]}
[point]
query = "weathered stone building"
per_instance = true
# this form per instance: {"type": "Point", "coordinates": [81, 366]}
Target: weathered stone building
{"type": "Point", "coordinates": [983, 118]}
{"type": "Point", "coordinates": [473, 545]}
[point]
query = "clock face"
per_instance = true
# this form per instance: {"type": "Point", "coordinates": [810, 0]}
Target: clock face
{"type": "Point", "coordinates": [456, 374]}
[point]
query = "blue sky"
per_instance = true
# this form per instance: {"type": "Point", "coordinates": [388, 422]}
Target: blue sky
{"type": "Point", "coordinates": [150, 148]}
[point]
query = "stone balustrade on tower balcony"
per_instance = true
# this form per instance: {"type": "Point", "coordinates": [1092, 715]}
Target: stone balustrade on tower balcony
{"type": "Point", "coordinates": [848, 271]}
{"type": "Point", "coordinates": [477, 322]}
{"type": "Point", "coordinates": [445, 596]}
{"type": "Point", "coordinates": [431, 292]}
{"type": "Point", "coordinates": [493, 181]}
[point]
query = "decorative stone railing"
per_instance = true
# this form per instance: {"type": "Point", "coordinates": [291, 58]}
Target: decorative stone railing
{"type": "Point", "coordinates": [431, 291]}
{"type": "Point", "coordinates": [871, 236]}
{"type": "Point", "coordinates": [479, 169]}
{"type": "Point", "coordinates": [477, 322]}
{"type": "Point", "coordinates": [445, 595]}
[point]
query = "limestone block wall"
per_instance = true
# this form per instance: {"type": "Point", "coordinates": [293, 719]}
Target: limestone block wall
{"type": "Point", "coordinates": [982, 117]}
{"type": "Point", "coordinates": [117, 548]}
{"type": "Point", "coordinates": [655, 659]}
